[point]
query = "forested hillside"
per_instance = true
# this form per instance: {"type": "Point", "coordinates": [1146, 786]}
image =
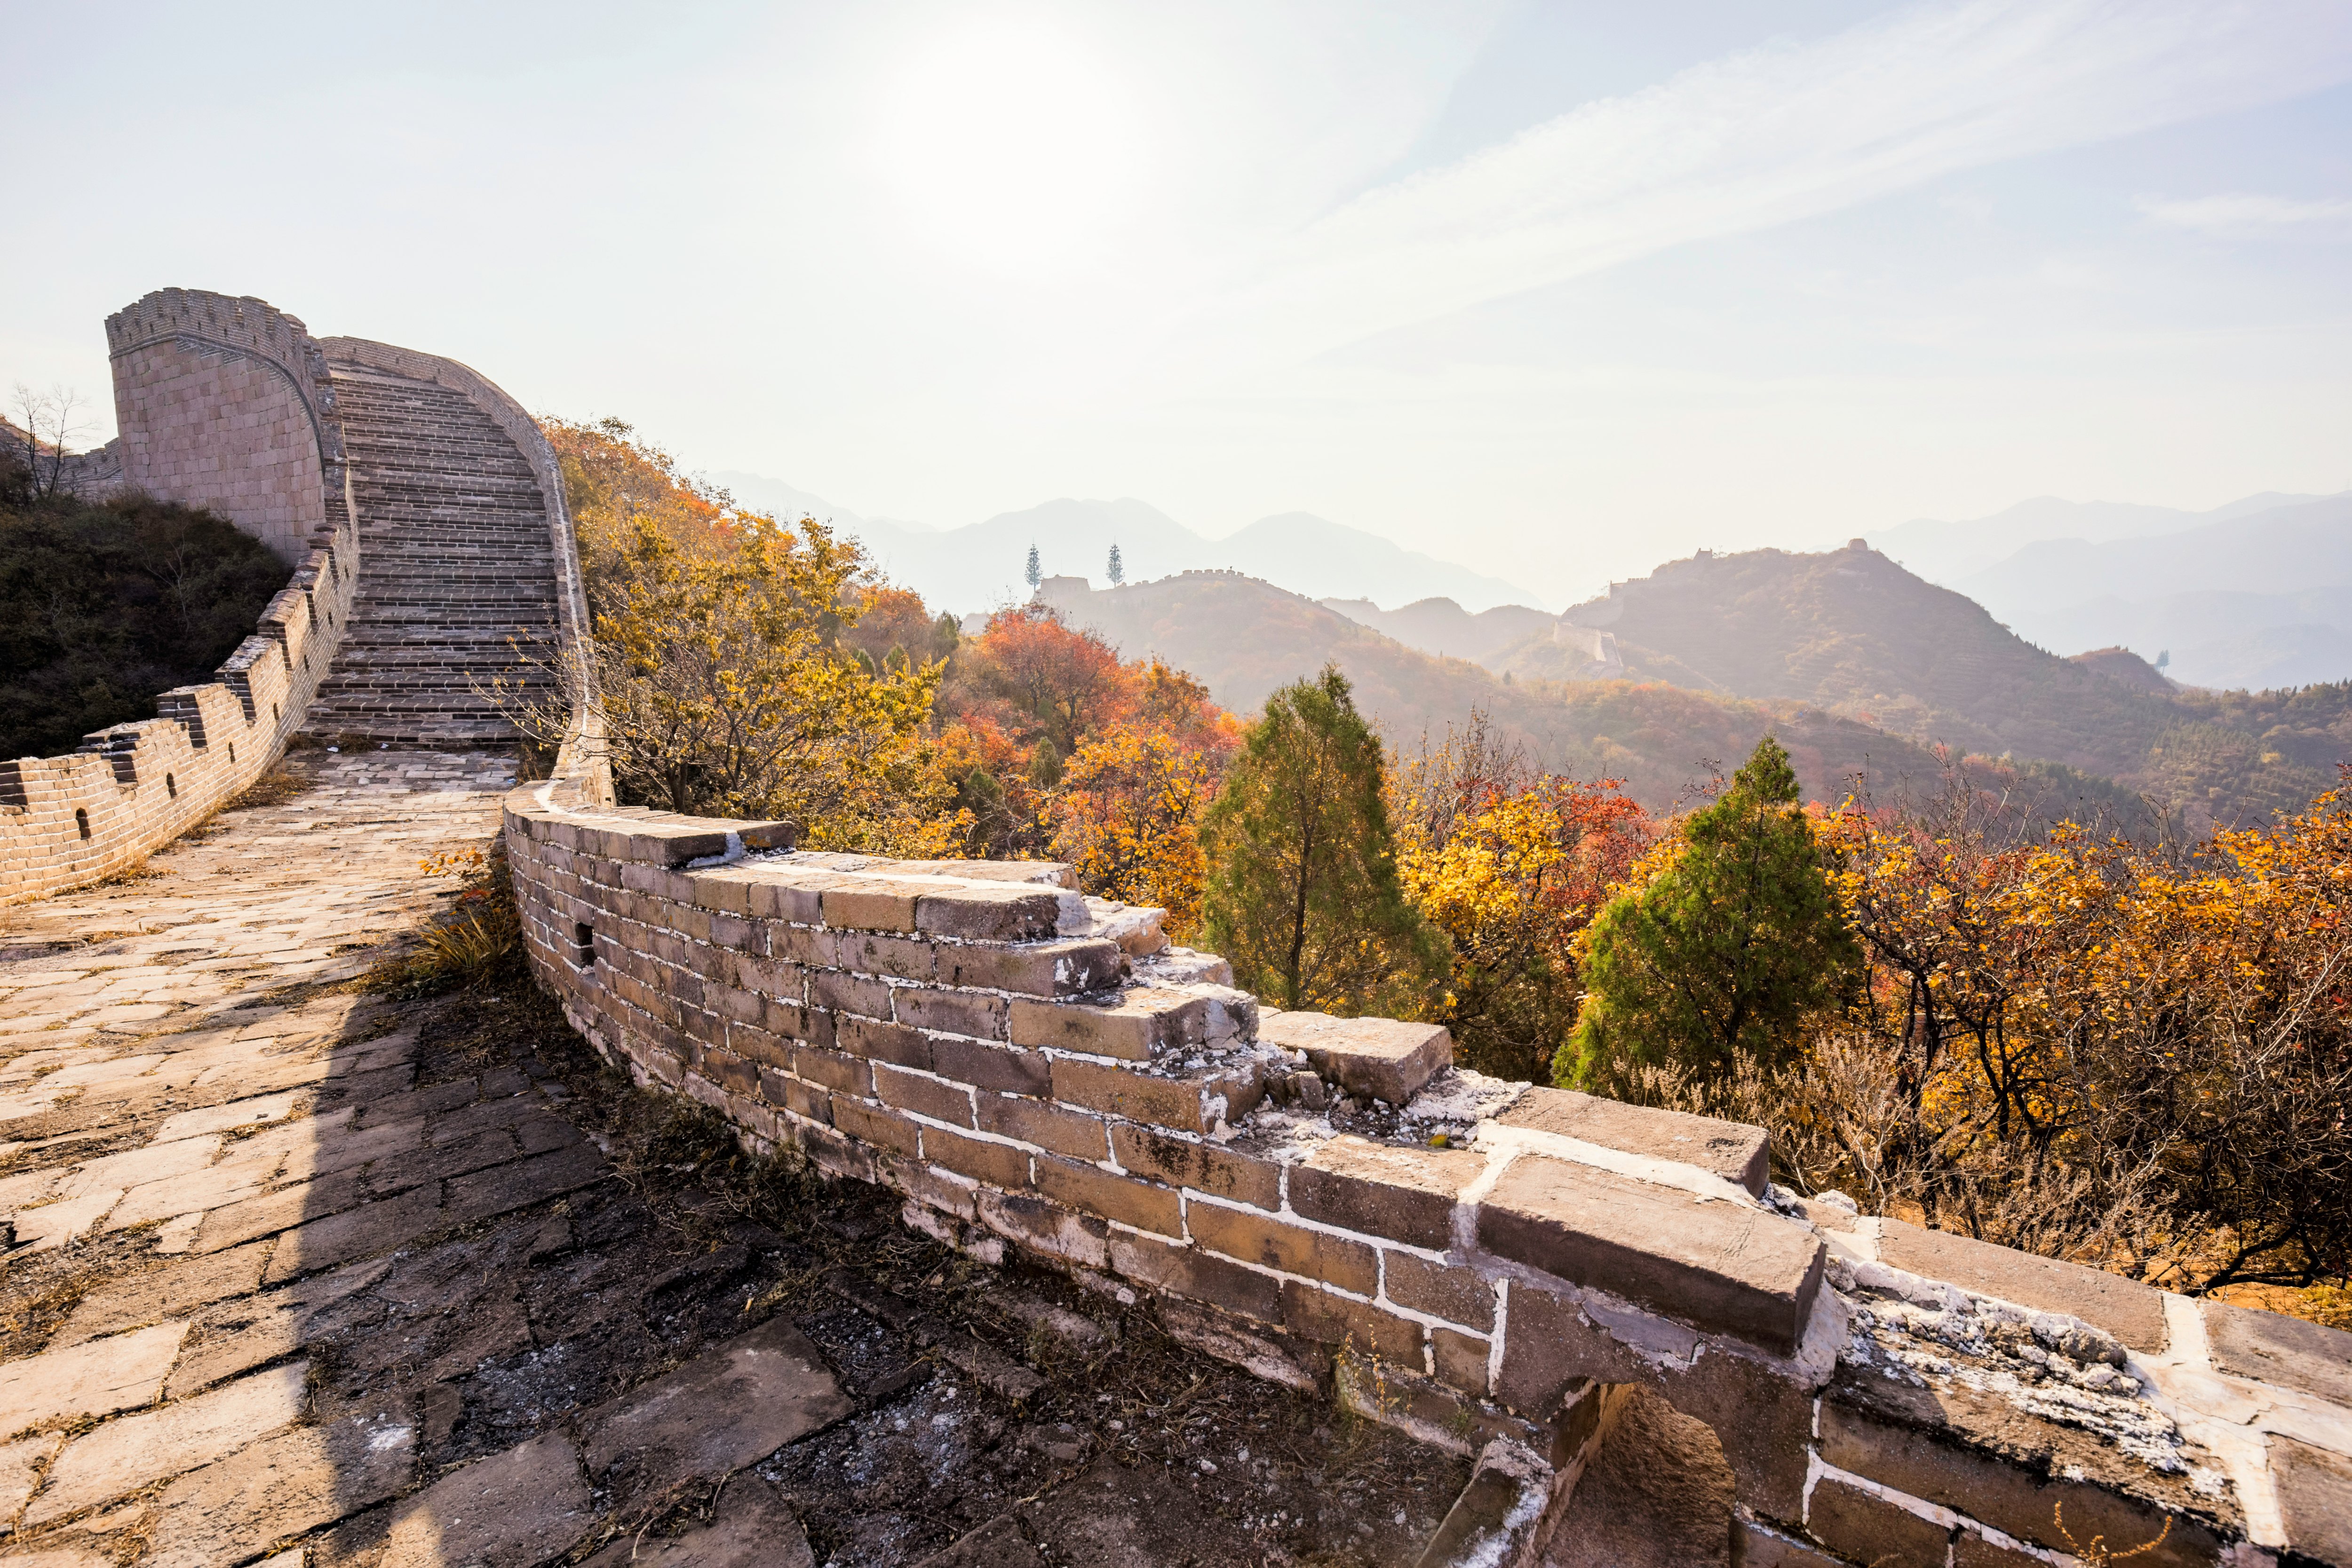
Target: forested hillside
{"type": "Point", "coordinates": [1854, 633]}
{"type": "Point", "coordinates": [1245, 638]}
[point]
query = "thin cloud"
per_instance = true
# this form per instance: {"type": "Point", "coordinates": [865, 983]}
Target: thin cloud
{"type": "Point", "coordinates": [2242, 214]}
{"type": "Point", "coordinates": [1762, 139]}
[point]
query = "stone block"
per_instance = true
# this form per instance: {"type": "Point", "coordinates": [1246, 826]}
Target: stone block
{"type": "Point", "coordinates": [1035, 969]}
{"type": "Point", "coordinates": [1000, 1164]}
{"type": "Point", "coordinates": [1761, 1546]}
{"type": "Point", "coordinates": [1732, 1150]}
{"type": "Point", "coordinates": [801, 1098]}
{"type": "Point", "coordinates": [1263, 1239]}
{"type": "Point", "coordinates": [1191, 1102]}
{"type": "Point", "coordinates": [2315, 1494]}
{"type": "Point", "coordinates": [1722, 1268]}
{"type": "Point", "coordinates": [731, 1071]}
{"type": "Point", "coordinates": [1461, 1360]}
{"type": "Point", "coordinates": [525, 1505]}
{"type": "Point", "coordinates": [876, 1126]}
{"type": "Point", "coordinates": [2272, 1348]}
{"type": "Point", "coordinates": [729, 1407]}
{"type": "Point", "coordinates": [1002, 913]}
{"type": "Point", "coordinates": [870, 953]}
{"type": "Point", "coordinates": [1042, 1227]}
{"type": "Point", "coordinates": [1982, 1455]}
{"type": "Point", "coordinates": [1135, 1026]}
{"type": "Point", "coordinates": [1871, 1529]}
{"type": "Point", "coordinates": [2126, 1309]}
{"type": "Point", "coordinates": [975, 1013]}
{"type": "Point", "coordinates": [1378, 1058]}
{"type": "Point", "coordinates": [835, 1070]}
{"type": "Point", "coordinates": [1318, 1315]}
{"type": "Point", "coordinates": [758, 1046]}
{"type": "Point", "coordinates": [1443, 1290]}
{"type": "Point", "coordinates": [872, 904]}
{"type": "Point", "coordinates": [845, 993]}
{"type": "Point", "coordinates": [1203, 1167]}
{"type": "Point", "coordinates": [812, 946]}
{"type": "Point", "coordinates": [1196, 1275]}
{"type": "Point", "coordinates": [1403, 1193]}
{"type": "Point", "coordinates": [889, 1043]}
{"type": "Point", "coordinates": [1000, 1067]}
{"type": "Point", "coordinates": [1093, 1190]}
{"type": "Point", "coordinates": [1046, 1124]}
{"type": "Point", "coordinates": [924, 1096]}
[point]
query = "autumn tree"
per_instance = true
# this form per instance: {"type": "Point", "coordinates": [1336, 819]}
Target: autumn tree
{"type": "Point", "coordinates": [1042, 678]}
{"type": "Point", "coordinates": [1303, 895]}
{"type": "Point", "coordinates": [718, 663]}
{"type": "Point", "coordinates": [1511, 863]}
{"type": "Point", "coordinates": [1730, 947]}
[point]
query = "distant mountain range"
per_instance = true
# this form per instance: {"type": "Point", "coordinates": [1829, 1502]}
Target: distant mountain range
{"type": "Point", "coordinates": [1844, 650]}
{"type": "Point", "coordinates": [2251, 595]}
{"type": "Point", "coordinates": [978, 566]}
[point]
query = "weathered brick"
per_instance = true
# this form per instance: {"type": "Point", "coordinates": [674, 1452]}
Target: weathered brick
{"type": "Point", "coordinates": [1037, 970]}
{"type": "Point", "coordinates": [1761, 1546]}
{"type": "Point", "coordinates": [731, 1071]}
{"type": "Point", "coordinates": [1404, 1194]}
{"type": "Point", "coordinates": [1260, 1239]}
{"type": "Point", "coordinates": [1204, 1167]}
{"type": "Point", "coordinates": [1193, 1103]}
{"type": "Point", "coordinates": [726, 889]}
{"type": "Point", "coordinates": [2270, 1347]}
{"type": "Point", "coordinates": [1004, 912]}
{"type": "Point", "coordinates": [811, 946]}
{"type": "Point", "coordinates": [871, 954]}
{"type": "Point", "coordinates": [975, 1013]}
{"type": "Point", "coordinates": [2130, 1310]}
{"type": "Point", "coordinates": [1461, 1360]}
{"type": "Point", "coordinates": [999, 1163]}
{"type": "Point", "coordinates": [1047, 1125]}
{"type": "Point", "coordinates": [799, 1098]}
{"type": "Point", "coordinates": [2315, 1494]}
{"type": "Point", "coordinates": [844, 993]}
{"type": "Point", "coordinates": [1869, 1529]}
{"type": "Point", "coordinates": [872, 904]}
{"type": "Point", "coordinates": [797, 1022]}
{"type": "Point", "coordinates": [775, 899]}
{"type": "Point", "coordinates": [994, 1067]}
{"type": "Point", "coordinates": [1042, 1227]}
{"type": "Point", "coordinates": [884, 1043]}
{"type": "Point", "coordinates": [1092, 1190]}
{"type": "Point", "coordinates": [924, 1096]}
{"type": "Point", "coordinates": [1379, 1059]}
{"type": "Point", "coordinates": [1451, 1292]}
{"type": "Point", "coordinates": [1927, 1453]}
{"type": "Point", "coordinates": [836, 1069]}
{"type": "Point", "coordinates": [1134, 1025]}
{"type": "Point", "coordinates": [1729, 1269]}
{"type": "Point", "coordinates": [1199, 1276]}
{"type": "Point", "coordinates": [784, 981]}
{"type": "Point", "coordinates": [755, 1044]}
{"type": "Point", "coordinates": [1320, 1315]}
{"type": "Point", "coordinates": [877, 1125]}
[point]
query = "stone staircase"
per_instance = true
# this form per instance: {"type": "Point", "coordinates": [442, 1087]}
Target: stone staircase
{"type": "Point", "coordinates": [457, 577]}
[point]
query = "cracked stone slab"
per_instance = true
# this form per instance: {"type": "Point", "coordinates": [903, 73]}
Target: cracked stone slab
{"type": "Point", "coordinates": [750, 1528]}
{"type": "Point", "coordinates": [513, 1509]}
{"type": "Point", "coordinates": [729, 1408]}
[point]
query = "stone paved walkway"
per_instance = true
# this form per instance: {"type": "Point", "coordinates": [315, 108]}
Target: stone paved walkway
{"type": "Point", "coordinates": [302, 1276]}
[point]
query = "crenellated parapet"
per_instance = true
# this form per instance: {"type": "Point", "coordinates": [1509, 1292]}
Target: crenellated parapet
{"type": "Point", "coordinates": [1332, 1203]}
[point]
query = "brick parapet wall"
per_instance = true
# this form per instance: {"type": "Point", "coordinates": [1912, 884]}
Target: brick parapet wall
{"type": "Point", "coordinates": [1036, 1072]}
{"type": "Point", "coordinates": [132, 789]}
{"type": "Point", "coordinates": [225, 403]}
{"type": "Point", "coordinates": [67, 820]}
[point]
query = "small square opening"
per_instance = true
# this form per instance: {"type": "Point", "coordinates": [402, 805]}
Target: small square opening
{"type": "Point", "coordinates": [584, 944]}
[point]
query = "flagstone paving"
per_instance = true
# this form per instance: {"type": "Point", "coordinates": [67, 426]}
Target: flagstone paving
{"type": "Point", "coordinates": [301, 1276]}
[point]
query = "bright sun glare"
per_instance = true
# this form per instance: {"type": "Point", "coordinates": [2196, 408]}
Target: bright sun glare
{"type": "Point", "coordinates": [1013, 147]}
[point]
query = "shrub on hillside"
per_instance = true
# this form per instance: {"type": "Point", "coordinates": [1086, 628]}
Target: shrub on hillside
{"type": "Point", "coordinates": [104, 606]}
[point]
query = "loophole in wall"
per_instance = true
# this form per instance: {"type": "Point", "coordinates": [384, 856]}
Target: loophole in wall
{"type": "Point", "coordinates": [171, 787]}
{"type": "Point", "coordinates": [584, 944]}
{"type": "Point", "coordinates": [81, 820]}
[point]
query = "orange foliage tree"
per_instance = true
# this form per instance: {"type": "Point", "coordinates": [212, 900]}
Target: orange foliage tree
{"type": "Point", "coordinates": [1510, 862]}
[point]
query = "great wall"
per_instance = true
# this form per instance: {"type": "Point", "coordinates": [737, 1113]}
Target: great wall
{"type": "Point", "coordinates": [1495, 1270]}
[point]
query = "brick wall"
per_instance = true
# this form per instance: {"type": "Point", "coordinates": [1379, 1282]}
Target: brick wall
{"type": "Point", "coordinates": [225, 403]}
{"type": "Point", "coordinates": [1331, 1204]}
{"type": "Point", "coordinates": [67, 820]}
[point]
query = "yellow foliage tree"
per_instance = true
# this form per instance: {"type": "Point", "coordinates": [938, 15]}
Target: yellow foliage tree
{"type": "Point", "coordinates": [1127, 818]}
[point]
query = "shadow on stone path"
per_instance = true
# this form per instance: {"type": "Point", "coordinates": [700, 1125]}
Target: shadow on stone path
{"type": "Point", "coordinates": [304, 1276]}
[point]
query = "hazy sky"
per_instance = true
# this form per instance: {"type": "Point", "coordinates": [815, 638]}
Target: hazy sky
{"type": "Point", "coordinates": [1559, 290]}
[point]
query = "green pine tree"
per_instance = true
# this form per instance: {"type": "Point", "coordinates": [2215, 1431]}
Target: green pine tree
{"type": "Point", "coordinates": [1303, 896]}
{"type": "Point", "coordinates": [1731, 951]}
{"type": "Point", "coordinates": [1035, 572]}
{"type": "Point", "coordinates": [1116, 570]}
